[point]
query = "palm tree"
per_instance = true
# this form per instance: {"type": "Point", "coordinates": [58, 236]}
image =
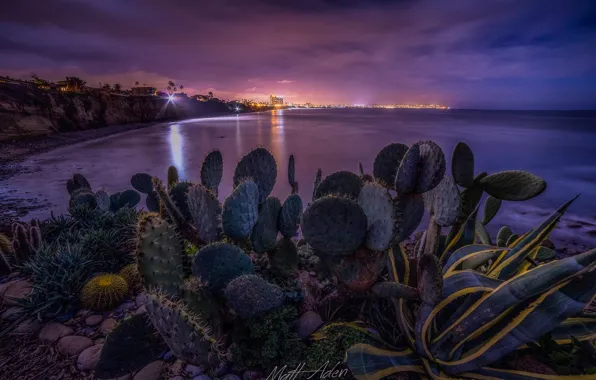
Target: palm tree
{"type": "Point", "coordinates": [107, 86]}
{"type": "Point", "coordinates": [117, 87]}
{"type": "Point", "coordinates": [210, 95]}
{"type": "Point", "coordinates": [180, 87]}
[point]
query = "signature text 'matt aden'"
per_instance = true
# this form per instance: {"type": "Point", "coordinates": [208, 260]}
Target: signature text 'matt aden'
{"type": "Point", "coordinates": [324, 372]}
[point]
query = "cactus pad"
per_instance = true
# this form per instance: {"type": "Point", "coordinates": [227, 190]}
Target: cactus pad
{"type": "Point", "coordinates": [511, 240]}
{"type": "Point", "coordinates": [104, 292]}
{"type": "Point", "coordinates": [503, 235]}
{"type": "Point", "coordinates": [292, 171]}
{"type": "Point", "coordinates": [178, 194]}
{"type": "Point", "coordinates": [491, 207]}
{"type": "Point", "coordinates": [430, 280]}
{"type": "Point", "coordinates": [82, 197]}
{"type": "Point", "coordinates": [160, 255]}
{"type": "Point", "coordinates": [513, 185]}
{"type": "Point", "coordinates": [284, 258]}
{"type": "Point", "coordinates": [409, 210]}
{"type": "Point", "coordinates": [290, 216]}
{"type": "Point", "coordinates": [264, 233]}
{"type": "Point", "coordinates": [185, 334]}
{"type": "Point", "coordinates": [260, 166]}
{"type": "Point", "coordinates": [206, 211]}
{"type": "Point", "coordinates": [212, 171]}
{"type": "Point", "coordinates": [241, 210]}
{"type": "Point", "coordinates": [407, 172]}
{"type": "Point", "coordinates": [219, 263]}
{"type": "Point", "coordinates": [172, 176]}
{"type": "Point", "coordinates": [77, 182]}
{"type": "Point", "coordinates": [378, 208]}
{"type": "Point", "coordinates": [359, 271]}
{"type": "Point", "coordinates": [334, 226]}
{"type": "Point", "coordinates": [103, 200]}
{"type": "Point", "coordinates": [444, 202]}
{"type": "Point", "coordinates": [142, 182]}
{"type": "Point", "coordinates": [250, 296]}
{"type": "Point", "coordinates": [387, 162]}
{"type": "Point", "coordinates": [152, 201]}
{"type": "Point", "coordinates": [316, 183]}
{"type": "Point", "coordinates": [432, 167]}
{"type": "Point", "coordinates": [462, 165]}
{"type": "Point", "coordinates": [342, 183]}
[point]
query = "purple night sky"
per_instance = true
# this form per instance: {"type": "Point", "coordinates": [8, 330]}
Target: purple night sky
{"type": "Point", "coordinates": [530, 54]}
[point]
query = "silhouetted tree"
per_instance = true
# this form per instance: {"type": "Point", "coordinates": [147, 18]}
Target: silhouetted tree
{"type": "Point", "coordinates": [117, 87]}
{"type": "Point", "coordinates": [136, 83]}
{"type": "Point", "coordinates": [75, 84]}
{"type": "Point", "coordinates": [210, 95]}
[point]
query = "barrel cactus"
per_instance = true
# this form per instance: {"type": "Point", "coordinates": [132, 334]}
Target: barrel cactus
{"type": "Point", "coordinates": [104, 292]}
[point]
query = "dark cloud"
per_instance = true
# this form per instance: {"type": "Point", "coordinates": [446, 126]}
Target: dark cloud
{"type": "Point", "coordinates": [463, 52]}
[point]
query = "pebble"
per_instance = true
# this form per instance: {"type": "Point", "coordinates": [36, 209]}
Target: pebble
{"type": "Point", "coordinates": [177, 378]}
{"type": "Point", "coordinates": [27, 327]}
{"type": "Point", "coordinates": [51, 332]}
{"type": "Point", "coordinates": [88, 359]}
{"type": "Point", "coordinates": [231, 377]}
{"type": "Point", "coordinates": [151, 371]}
{"type": "Point", "coordinates": [12, 314]}
{"type": "Point", "coordinates": [201, 377]}
{"type": "Point", "coordinates": [73, 345]}
{"type": "Point", "coordinates": [108, 325]}
{"type": "Point", "coordinates": [193, 370]}
{"type": "Point", "coordinates": [93, 320]}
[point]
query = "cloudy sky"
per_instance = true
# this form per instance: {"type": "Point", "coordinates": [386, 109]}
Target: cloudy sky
{"type": "Point", "coordinates": [516, 54]}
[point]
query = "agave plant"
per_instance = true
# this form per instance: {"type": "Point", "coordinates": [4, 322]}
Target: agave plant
{"type": "Point", "coordinates": [484, 316]}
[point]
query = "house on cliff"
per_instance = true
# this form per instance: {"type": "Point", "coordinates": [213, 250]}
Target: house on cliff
{"type": "Point", "coordinates": [143, 91]}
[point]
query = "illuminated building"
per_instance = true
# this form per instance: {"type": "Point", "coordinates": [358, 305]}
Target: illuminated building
{"type": "Point", "coordinates": [275, 100]}
{"type": "Point", "coordinates": [143, 91]}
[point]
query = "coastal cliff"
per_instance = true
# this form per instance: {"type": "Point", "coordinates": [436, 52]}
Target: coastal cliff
{"type": "Point", "coordinates": [26, 111]}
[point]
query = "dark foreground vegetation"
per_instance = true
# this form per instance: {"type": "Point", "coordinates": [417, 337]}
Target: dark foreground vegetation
{"type": "Point", "coordinates": [198, 289]}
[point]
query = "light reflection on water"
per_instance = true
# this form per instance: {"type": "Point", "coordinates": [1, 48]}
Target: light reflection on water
{"type": "Point", "coordinates": [176, 147]}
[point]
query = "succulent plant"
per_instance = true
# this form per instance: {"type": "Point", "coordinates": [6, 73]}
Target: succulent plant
{"type": "Point", "coordinates": [212, 171]}
{"type": "Point", "coordinates": [292, 175]}
{"type": "Point", "coordinates": [491, 207]}
{"type": "Point", "coordinates": [260, 166]}
{"type": "Point", "coordinates": [131, 275]}
{"type": "Point", "coordinates": [513, 185]}
{"type": "Point", "coordinates": [343, 183]}
{"type": "Point", "coordinates": [142, 182]}
{"type": "Point", "coordinates": [462, 165]}
{"type": "Point", "coordinates": [132, 345]}
{"type": "Point", "coordinates": [334, 226]}
{"type": "Point", "coordinates": [264, 232]}
{"type": "Point", "coordinates": [241, 210]}
{"type": "Point", "coordinates": [387, 162]}
{"type": "Point", "coordinates": [408, 212]}
{"type": "Point", "coordinates": [421, 169]}
{"type": "Point", "coordinates": [316, 184]}
{"type": "Point", "coordinates": [172, 176]}
{"type": "Point", "coordinates": [103, 200]}
{"type": "Point", "coordinates": [290, 216]}
{"type": "Point", "coordinates": [26, 242]}
{"type": "Point", "coordinates": [359, 271]}
{"type": "Point", "coordinates": [5, 268]}
{"type": "Point", "coordinates": [250, 295]}
{"type": "Point", "coordinates": [82, 197]}
{"type": "Point", "coordinates": [5, 244]}
{"type": "Point", "coordinates": [128, 198]}
{"type": "Point", "coordinates": [77, 182]}
{"type": "Point", "coordinates": [185, 334]}
{"type": "Point", "coordinates": [104, 292]}
{"type": "Point", "coordinates": [160, 255]}
{"type": "Point", "coordinates": [219, 263]}
{"type": "Point", "coordinates": [378, 208]}
{"type": "Point", "coordinates": [152, 201]}
{"type": "Point", "coordinates": [178, 193]}
{"type": "Point", "coordinates": [205, 210]}
{"type": "Point", "coordinates": [503, 236]}
{"type": "Point", "coordinates": [284, 258]}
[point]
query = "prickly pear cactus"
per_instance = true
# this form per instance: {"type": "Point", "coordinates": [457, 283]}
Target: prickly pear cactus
{"type": "Point", "coordinates": [407, 172]}
{"type": "Point", "coordinates": [250, 296]}
{"type": "Point", "coordinates": [491, 207]}
{"type": "Point", "coordinates": [359, 271]}
{"type": "Point", "coordinates": [342, 183]}
{"type": "Point", "coordinates": [160, 254]}
{"type": "Point", "coordinates": [172, 176]}
{"type": "Point", "coordinates": [103, 200]}
{"type": "Point", "coordinates": [212, 171]}
{"type": "Point", "coordinates": [513, 185]}
{"type": "Point", "coordinates": [205, 210]}
{"type": "Point", "coordinates": [292, 175]}
{"type": "Point", "coordinates": [142, 182]}
{"type": "Point", "coordinates": [421, 169]}
{"type": "Point", "coordinates": [462, 165]}
{"type": "Point", "coordinates": [284, 258]}
{"type": "Point", "coordinates": [128, 198]}
{"type": "Point", "coordinates": [77, 182]}
{"type": "Point", "coordinates": [260, 166]}
{"type": "Point", "coordinates": [511, 240]}
{"type": "Point", "coordinates": [290, 216]}
{"type": "Point", "coordinates": [219, 263]}
{"type": "Point", "coordinates": [316, 184]}
{"type": "Point", "coordinates": [264, 233]}
{"type": "Point", "coordinates": [409, 210]}
{"type": "Point", "coordinates": [178, 193]}
{"type": "Point", "coordinates": [82, 197]}
{"type": "Point", "coordinates": [5, 268]}
{"type": "Point", "coordinates": [378, 208]}
{"type": "Point", "coordinates": [387, 162]}
{"type": "Point", "coordinates": [152, 201]}
{"type": "Point", "coordinates": [185, 334]}
{"type": "Point", "coordinates": [430, 280]}
{"type": "Point", "coordinates": [241, 210]}
{"type": "Point", "coordinates": [334, 226]}
{"type": "Point", "coordinates": [503, 235]}
{"type": "Point", "coordinates": [444, 202]}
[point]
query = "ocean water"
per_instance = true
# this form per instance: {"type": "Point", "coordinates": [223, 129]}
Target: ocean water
{"type": "Point", "coordinates": [558, 146]}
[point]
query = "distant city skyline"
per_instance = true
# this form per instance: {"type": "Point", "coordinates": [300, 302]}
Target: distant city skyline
{"type": "Point", "coordinates": [494, 54]}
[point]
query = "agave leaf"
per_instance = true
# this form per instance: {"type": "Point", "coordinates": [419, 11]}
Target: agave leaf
{"type": "Point", "coordinates": [372, 363]}
{"type": "Point", "coordinates": [530, 290]}
{"type": "Point", "coordinates": [526, 322]}
{"type": "Point", "coordinates": [527, 264]}
{"type": "Point", "coordinates": [581, 327]}
{"type": "Point", "coordinates": [399, 271]}
{"type": "Point", "coordinates": [483, 234]}
{"type": "Point", "coordinates": [465, 236]}
{"type": "Point", "coordinates": [509, 261]}
{"type": "Point", "coordinates": [471, 257]}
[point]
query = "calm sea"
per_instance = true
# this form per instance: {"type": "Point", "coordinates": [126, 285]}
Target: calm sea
{"type": "Point", "coordinates": [558, 146]}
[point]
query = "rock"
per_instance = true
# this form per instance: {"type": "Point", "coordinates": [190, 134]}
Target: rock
{"type": "Point", "coordinates": [231, 377]}
{"type": "Point", "coordinates": [193, 370]}
{"type": "Point", "coordinates": [201, 377]}
{"type": "Point", "coordinates": [151, 371]}
{"type": "Point", "coordinates": [15, 290]}
{"type": "Point", "coordinates": [73, 345]}
{"type": "Point", "coordinates": [87, 360]}
{"type": "Point", "coordinates": [108, 325]}
{"type": "Point", "coordinates": [141, 300]}
{"type": "Point", "coordinates": [93, 320]}
{"type": "Point", "coordinates": [177, 378]}
{"type": "Point", "coordinates": [27, 327]}
{"type": "Point", "coordinates": [308, 323]}
{"type": "Point", "coordinates": [51, 332]}
{"type": "Point", "coordinates": [12, 313]}
{"type": "Point", "coordinates": [99, 341]}
{"type": "Point", "coordinates": [141, 310]}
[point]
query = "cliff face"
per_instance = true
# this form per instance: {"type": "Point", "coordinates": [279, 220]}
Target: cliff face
{"type": "Point", "coordinates": [28, 111]}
